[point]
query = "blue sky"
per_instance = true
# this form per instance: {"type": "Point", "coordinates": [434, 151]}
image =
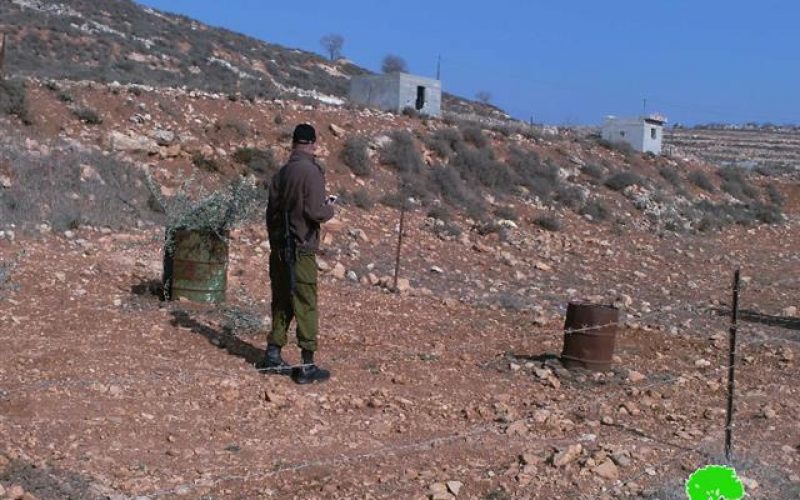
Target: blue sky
{"type": "Point", "coordinates": [563, 62]}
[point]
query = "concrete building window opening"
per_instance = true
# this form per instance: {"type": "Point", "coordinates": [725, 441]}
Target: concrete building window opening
{"type": "Point", "coordinates": [653, 133]}
{"type": "Point", "coordinates": [622, 133]}
{"type": "Point", "coordinates": [420, 97]}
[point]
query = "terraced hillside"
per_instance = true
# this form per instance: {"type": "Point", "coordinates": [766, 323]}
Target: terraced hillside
{"type": "Point", "coordinates": [766, 150]}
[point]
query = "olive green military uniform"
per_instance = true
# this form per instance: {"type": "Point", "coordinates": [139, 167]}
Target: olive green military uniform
{"type": "Point", "coordinates": [300, 305]}
{"type": "Point", "coordinates": [297, 198]}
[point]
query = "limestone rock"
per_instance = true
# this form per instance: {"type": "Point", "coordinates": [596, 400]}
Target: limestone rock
{"type": "Point", "coordinates": [454, 487]}
{"type": "Point", "coordinates": [132, 143]}
{"type": "Point", "coordinates": [339, 272]}
{"type": "Point", "coordinates": [567, 456]}
{"type": "Point", "coordinates": [336, 130]}
{"type": "Point", "coordinates": [607, 470]}
{"type": "Point", "coordinates": [163, 137]}
{"type": "Point", "coordinates": [403, 285]}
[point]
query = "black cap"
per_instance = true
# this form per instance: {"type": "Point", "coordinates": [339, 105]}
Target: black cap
{"type": "Point", "coordinates": [304, 134]}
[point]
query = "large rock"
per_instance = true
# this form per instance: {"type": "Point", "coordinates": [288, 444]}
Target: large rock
{"type": "Point", "coordinates": [336, 130]}
{"type": "Point", "coordinates": [163, 137]}
{"type": "Point", "coordinates": [569, 455]}
{"type": "Point", "coordinates": [132, 143]}
{"type": "Point", "coordinates": [607, 470]}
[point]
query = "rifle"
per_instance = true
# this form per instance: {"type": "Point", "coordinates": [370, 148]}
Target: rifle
{"type": "Point", "coordinates": [289, 253]}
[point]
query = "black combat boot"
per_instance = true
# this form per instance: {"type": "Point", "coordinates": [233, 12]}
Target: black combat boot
{"type": "Point", "coordinates": [273, 363]}
{"type": "Point", "coordinates": [309, 373]}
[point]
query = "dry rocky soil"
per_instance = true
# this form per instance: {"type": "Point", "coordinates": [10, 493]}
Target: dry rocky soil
{"type": "Point", "coordinates": [450, 389]}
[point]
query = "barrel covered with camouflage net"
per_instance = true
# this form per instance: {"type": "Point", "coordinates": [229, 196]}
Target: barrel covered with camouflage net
{"type": "Point", "coordinates": [196, 266]}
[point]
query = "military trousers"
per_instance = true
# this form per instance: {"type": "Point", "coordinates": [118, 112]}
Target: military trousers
{"type": "Point", "coordinates": [300, 305]}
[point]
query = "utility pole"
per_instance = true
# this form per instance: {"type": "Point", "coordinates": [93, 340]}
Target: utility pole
{"type": "Point", "coordinates": [644, 106]}
{"type": "Point", "coordinates": [439, 68]}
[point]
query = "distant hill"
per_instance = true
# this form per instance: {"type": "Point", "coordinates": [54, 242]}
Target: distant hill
{"type": "Point", "coordinates": [767, 150]}
{"type": "Point", "coordinates": [119, 40]}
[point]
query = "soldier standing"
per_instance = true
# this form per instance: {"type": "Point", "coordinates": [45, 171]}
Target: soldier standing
{"type": "Point", "coordinates": [297, 207]}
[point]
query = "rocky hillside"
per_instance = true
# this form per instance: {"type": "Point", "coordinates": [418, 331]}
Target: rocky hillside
{"type": "Point", "coordinates": [119, 40]}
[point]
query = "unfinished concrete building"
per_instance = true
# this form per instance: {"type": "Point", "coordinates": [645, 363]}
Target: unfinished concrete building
{"type": "Point", "coordinates": [396, 91]}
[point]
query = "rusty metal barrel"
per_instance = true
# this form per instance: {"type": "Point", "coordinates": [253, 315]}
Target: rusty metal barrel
{"type": "Point", "coordinates": [196, 266]}
{"type": "Point", "coordinates": [590, 332]}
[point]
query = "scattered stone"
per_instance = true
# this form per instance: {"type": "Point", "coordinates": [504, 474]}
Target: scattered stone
{"type": "Point", "coordinates": [607, 470]}
{"type": "Point", "coordinates": [15, 492]}
{"type": "Point", "coordinates": [635, 377]}
{"type": "Point", "coordinates": [750, 485]}
{"type": "Point", "coordinates": [339, 272]}
{"type": "Point", "coordinates": [569, 455]}
{"type": "Point", "coordinates": [352, 276]}
{"type": "Point", "coordinates": [541, 266]}
{"type": "Point", "coordinates": [541, 416]}
{"type": "Point", "coordinates": [790, 311]}
{"type": "Point", "coordinates": [163, 137]}
{"type": "Point", "coordinates": [336, 130]}
{"type": "Point", "coordinates": [132, 143]}
{"type": "Point", "coordinates": [323, 265]}
{"type": "Point", "coordinates": [702, 363]}
{"type": "Point", "coordinates": [439, 491]}
{"type": "Point", "coordinates": [517, 428]}
{"type": "Point", "coordinates": [454, 487]}
{"type": "Point", "coordinates": [623, 301]}
{"type": "Point", "coordinates": [768, 413]}
{"type": "Point", "coordinates": [403, 285]}
{"type": "Point", "coordinates": [437, 270]}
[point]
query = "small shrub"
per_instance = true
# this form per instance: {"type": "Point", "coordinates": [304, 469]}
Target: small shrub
{"type": "Point", "coordinates": [767, 214]}
{"type": "Point", "coordinates": [393, 200]}
{"type": "Point", "coordinates": [735, 184]}
{"type": "Point", "coordinates": [570, 196]}
{"type": "Point", "coordinates": [14, 100]}
{"type": "Point", "coordinates": [355, 156]}
{"type": "Point", "coordinates": [619, 146]}
{"type": "Point", "coordinates": [402, 154]}
{"type": "Point", "coordinates": [622, 180]}
{"type": "Point", "coordinates": [539, 177]}
{"type": "Point", "coordinates": [362, 199]}
{"type": "Point", "coordinates": [238, 127]}
{"type": "Point", "coordinates": [479, 167]}
{"type": "Point", "coordinates": [448, 229]}
{"type": "Point", "coordinates": [259, 161]}
{"type": "Point", "coordinates": [87, 115]}
{"type": "Point", "coordinates": [441, 213]}
{"type": "Point", "coordinates": [671, 175]}
{"type": "Point", "coordinates": [505, 213]}
{"type": "Point", "coordinates": [65, 97]}
{"type": "Point", "coordinates": [474, 135]}
{"type": "Point", "coordinates": [410, 112]}
{"type": "Point", "coordinates": [278, 120]}
{"type": "Point", "coordinates": [548, 222]}
{"type": "Point", "coordinates": [594, 171]}
{"type": "Point", "coordinates": [775, 196]}
{"type": "Point", "coordinates": [596, 210]}
{"type": "Point", "coordinates": [701, 180]}
{"type": "Point", "coordinates": [201, 161]}
{"type": "Point", "coordinates": [445, 142]}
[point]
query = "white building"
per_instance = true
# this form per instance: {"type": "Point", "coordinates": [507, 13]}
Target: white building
{"type": "Point", "coordinates": [644, 133]}
{"type": "Point", "coordinates": [397, 91]}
